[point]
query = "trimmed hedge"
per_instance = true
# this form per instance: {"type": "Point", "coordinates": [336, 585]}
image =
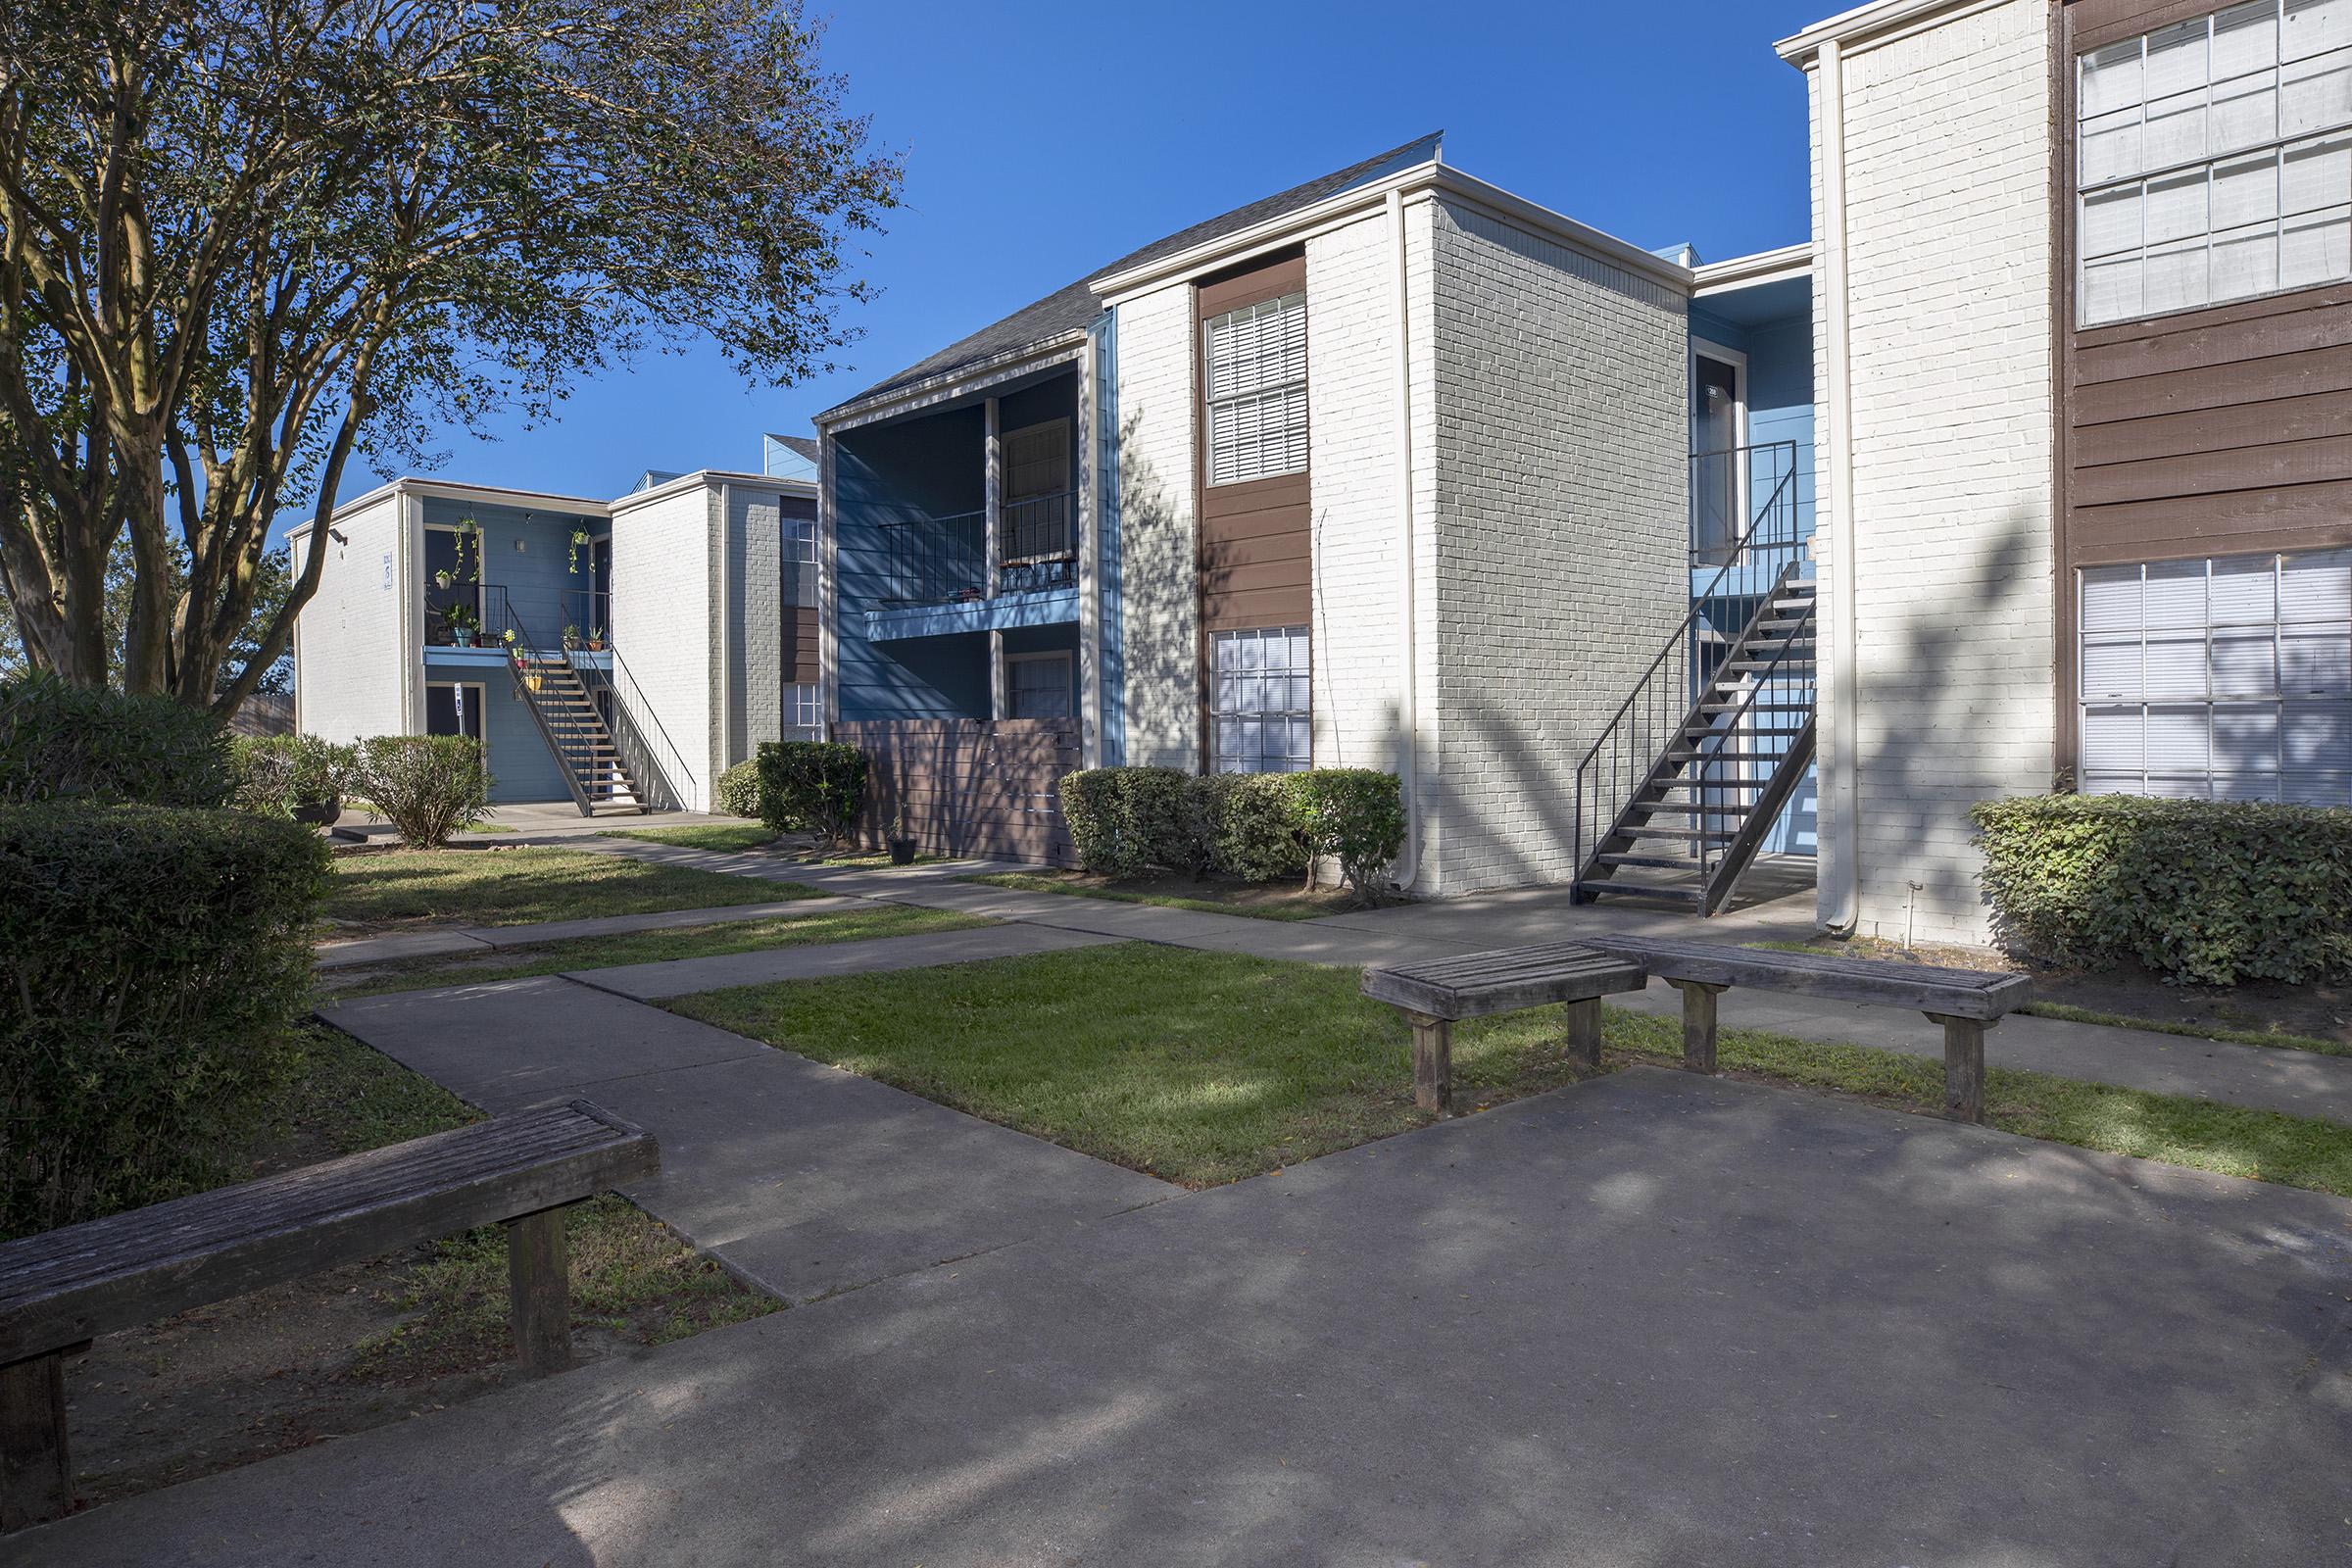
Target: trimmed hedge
{"type": "Point", "coordinates": [59, 741]}
{"type": "Point", "coordinates": [737, 793]}
{"type": "Point", "coordinates": [153, 964]}
{"type": "Point", "coordinates": [275, 774]}
{"type": "Point", "coordinates": [818, 785]}
{"type": "Point", "coordinates": [429, 786]}
{"type": "Point", "coordinates": [1125, 821]}
{"type": "Point", "coordinates": [2201, 892]}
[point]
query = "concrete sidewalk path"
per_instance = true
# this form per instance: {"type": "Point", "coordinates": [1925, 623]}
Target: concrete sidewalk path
{"type": "Point", "coordinates": [681, 977]}
{"type": "Point", "coordinates": [497, 938]}
{"type": "Point", "coordinates": [1648, 1320]}
{"type": "Point", "coordinates": [806, 1180]}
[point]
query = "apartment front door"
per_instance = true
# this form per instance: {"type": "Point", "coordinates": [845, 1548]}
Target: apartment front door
{"type": "Point", "coordinates": [1718, 461]}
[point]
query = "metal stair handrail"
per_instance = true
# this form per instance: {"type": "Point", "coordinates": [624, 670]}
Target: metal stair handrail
{"type": "Point", "coordinates": [522, 645]}
{"type": "Point", "coordinates": [1635, 736]}
{"type": "Point", "coordinates": [1714, 859]}
{"type": "Point", "coordinates": [631, 707]}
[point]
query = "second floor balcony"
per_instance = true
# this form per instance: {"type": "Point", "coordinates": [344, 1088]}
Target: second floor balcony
{"type": "Point", "coordinates": [952, 559]}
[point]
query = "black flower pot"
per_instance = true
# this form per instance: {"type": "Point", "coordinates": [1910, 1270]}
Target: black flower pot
{"type": "Point", "coordinates": [902, 851]}
{"type": "Point", "coordinates": [320, 814]}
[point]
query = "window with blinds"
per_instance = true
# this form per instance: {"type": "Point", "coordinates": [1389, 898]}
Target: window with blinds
{"type": "Point", "coordinates": [2222, 679]}
{"type": "Point", "coordinates": [800, 561]}
{"type": "Point", "coordinates": [1037, 460]}
{"type": "Point", "coordinates": [1256, 363]}
{"type": "Point", "coordinates": [2213, 160]}
{"type": "Point", "coordinates": [1261, 719]}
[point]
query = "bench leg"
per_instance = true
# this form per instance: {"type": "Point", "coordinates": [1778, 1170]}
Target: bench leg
{"type": "Point", "coordinates": [36, 1478]}
{"type": "Point", "coordinates": [1584, 1033]}
{"type": "Point", "coordinates": [1963, 1066]}
{"type": "Point", "coordinates": [1433, 1063]}
{"type": "Point", "coordinates": [537, 1275]}
{"type": "Point", "coordinates": [1699, 1024]}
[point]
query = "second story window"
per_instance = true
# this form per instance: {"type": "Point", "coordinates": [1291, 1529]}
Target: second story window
{"type": "Point", "coordinates": [1257, 384]}
{"type": "Point", "coordinates": [800, 561]}
{"type": "Point", "coordinates": [2213, 160]}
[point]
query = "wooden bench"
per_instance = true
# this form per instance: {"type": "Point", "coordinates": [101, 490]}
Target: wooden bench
{"type": "Point", "coordinates": [1965, 1001]}
{"type": "Point", "coordinates": [60, 1289]}
{"type": "Point", "coordinates": [1437, 994]}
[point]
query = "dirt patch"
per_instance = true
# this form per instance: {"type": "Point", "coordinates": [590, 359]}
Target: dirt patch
{"type": "Point", "coordinates": [2313, 1012]}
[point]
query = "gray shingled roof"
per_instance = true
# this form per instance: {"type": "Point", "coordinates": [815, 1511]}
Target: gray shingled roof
{"type": "Point", "coordinates": [1071, 309]}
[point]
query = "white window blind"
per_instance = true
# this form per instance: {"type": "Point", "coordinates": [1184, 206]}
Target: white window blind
{"type": "Point", "coordinates": [2213, 160]}
{"type": "Point", "coordinates": [1039, 686]}
{"type": "Point", "coordinates": [1260, 710]}
{"type": "Point", "coordinates": [1256, 359]}
{"type": "Point", "coordinates": [2227, 678]}
{"type": "Point", "coordinates": [1037, 460]}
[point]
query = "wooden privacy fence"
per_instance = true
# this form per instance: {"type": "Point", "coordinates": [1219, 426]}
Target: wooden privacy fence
{"type": "Point", "coordinates": [969, 786]}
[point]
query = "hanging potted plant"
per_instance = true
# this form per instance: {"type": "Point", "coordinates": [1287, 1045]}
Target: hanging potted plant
{"type": "Point", "coordinates": [900, 844]}
{"type": "Point", "coordinates": [579, 537]}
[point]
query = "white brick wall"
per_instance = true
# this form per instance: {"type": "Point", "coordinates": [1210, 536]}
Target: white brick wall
{"type": "Point", "coordinates": [1159, 611]}
{"type": "Point", "coordinates": [350, 643]}
{"type": "Point", "coordinates": [662, 625]}
{"type": "Point", "coordinates": [1561, 521]}
{"type": "Point", "coordinates": [755, 611]}
{"type": "Point", "coordinates": [1947, 176]}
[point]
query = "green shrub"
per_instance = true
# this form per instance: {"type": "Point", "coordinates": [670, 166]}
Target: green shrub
{"type": "Point", "coordinates": [59, 741]}
{"type": "Point", "coordinates": [738, 790]}
{"type": "Point", "coordinates": [1125, 821]}
{"type": "Point", "coordinates": [1354, 816]}
{"type": "Point", "coordinates": [1256, 826]}
{"type": "Point", "coordinates": [427, 786]}
{"type": "Point", "coordinates": [275, 774]}
{"type": "Point", "coordinates": [153, 964]}
{"type": "Point", "coordinates": [817, 785]}
{"type": "Point", "coordinates": [2203, 893]}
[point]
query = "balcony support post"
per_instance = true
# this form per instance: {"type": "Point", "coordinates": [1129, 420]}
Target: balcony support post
{"type": "Point", "coordinates": [994, 514]}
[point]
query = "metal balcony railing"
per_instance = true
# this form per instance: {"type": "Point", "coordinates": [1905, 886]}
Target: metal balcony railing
{"type": "Point", "coordinates": [944, 561]}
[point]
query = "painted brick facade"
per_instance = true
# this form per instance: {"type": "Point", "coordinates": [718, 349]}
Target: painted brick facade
{"type": "Point", "coordinates": [1159, 613]}
{"type": "Point", "coordinates": [352, 634]}
{"type": "Point", "coordinates": [1947, 175]}
{"type": "Point", "coordinates": [663, 622]}
{"type": "Point", "coordinates": [1561, 521]}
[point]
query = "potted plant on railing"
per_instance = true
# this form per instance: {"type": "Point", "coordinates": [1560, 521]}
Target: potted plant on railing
{"type": "Point", "coordinates": [571, 638]}
{"type": "Point", "coordinates": [596, 639]}
{"type": "Point", "coordinates": [898, 842]}
{"type": "Point", "coordinates": [464, 624]}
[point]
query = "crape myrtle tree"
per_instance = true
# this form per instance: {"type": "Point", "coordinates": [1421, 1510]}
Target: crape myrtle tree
{"type": "Point", "coordinates": [246, 241]}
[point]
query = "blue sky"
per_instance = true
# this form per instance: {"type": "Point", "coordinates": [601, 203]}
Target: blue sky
{"type": "Point", "coordinates": [1042, 140]}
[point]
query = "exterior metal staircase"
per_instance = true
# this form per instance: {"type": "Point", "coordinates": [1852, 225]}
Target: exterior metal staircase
{"type": "Point", "coordinates": [594, 770]}
{"type": "Point", "coordinates": [1677, 796]}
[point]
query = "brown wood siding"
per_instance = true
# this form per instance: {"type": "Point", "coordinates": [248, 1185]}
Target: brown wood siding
{"type": "Point", "coordinates": [800, 664]}
{"type": "Point", "coordinates": [2226, 430]}
{"type": "Point", "coordinates": [969, 786]}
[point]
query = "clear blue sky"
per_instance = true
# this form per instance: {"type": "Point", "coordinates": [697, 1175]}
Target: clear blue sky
{"type": "Point", "coordinates": [1045, 139]}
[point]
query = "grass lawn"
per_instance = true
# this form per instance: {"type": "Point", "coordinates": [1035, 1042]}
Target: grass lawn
{"type": "Point", "coordinates": [1260, 901]}
{"type": "Point", "coordinates": [522, 886]}
{"type": "Point", "coordinates": [1207, 1067]}
{"type": "Point", "coordinates": [2237, 1037]}
{"type": "Point", "coordinates": [650, 947]}
{"type": "Point", "coordinates": [725, 836]}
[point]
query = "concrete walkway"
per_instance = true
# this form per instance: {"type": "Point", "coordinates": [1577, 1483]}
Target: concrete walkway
{"type": "Point", "coordinates": [803, 1179]}
{"type": "Point", "coordinates": [683, 977]}
{"type": "Point", "coordinates": [2298, 1083]}
{"type": "Point", "coordinates": [497, 938]}
{"type": "Point", "coordinates": [1648, 1320]}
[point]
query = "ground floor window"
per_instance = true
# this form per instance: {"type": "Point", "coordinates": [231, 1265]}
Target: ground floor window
{"type": "Point", "coordinates": [1038, 686]}
{"type": "Point", "coordinates": [804, 711]}
{"type": "Point", "coordinates": [1259, 716]}
{"type": "Point", "coordinates": [2222, 678]}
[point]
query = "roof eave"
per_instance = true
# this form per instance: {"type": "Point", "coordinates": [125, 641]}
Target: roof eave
{"type": "Point", "coordinates": [1868, 23]}
{"type": "Point", "coordinates": [1749, 271]}
{"type": "Point", "coordinates": [996, 367]}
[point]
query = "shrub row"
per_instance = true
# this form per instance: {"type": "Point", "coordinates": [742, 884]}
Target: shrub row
{"type": "Point", "coordinates": [427, 786]}
{"type": "Point", "coordinates": [2201, 892]}
{"type": "Point", "coordinates": [814, 785]}
{"type": "Point", "coordinates": [153, 964]}
{"type": "Point", "coordinates": [1125, 821]}
{"type": "Point", "coordinates": [737, 793]}
{"type": "Point", "coordinates": [59, 741]}
{"type": "Point", "coordinates": [278, 774]}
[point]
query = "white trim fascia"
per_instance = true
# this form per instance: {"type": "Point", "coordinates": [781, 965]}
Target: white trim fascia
{"type": "Point", "coordinates": [1880, 21]}
{"type": "Point", "coordinates": [1787, 264]}
{"type": "Point", "coordinates": [708, 478]}
{"type": "Point", "coordinates": [962, 381]}
{"type": "Point", "coordinates": [1432, 178]}
{"type": "Point", "coordinates": [454, 490]}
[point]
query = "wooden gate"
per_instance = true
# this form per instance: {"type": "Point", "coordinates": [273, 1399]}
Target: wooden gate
{"type": "Point", "coordinates": [969, 786]}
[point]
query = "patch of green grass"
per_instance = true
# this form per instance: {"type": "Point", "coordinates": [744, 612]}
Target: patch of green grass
{"type": "Point", "coordinates": [524, 886]}
{"type": "Point", "coordinates": [873, 859]}
{"type": "Point", "coordinates": [655, 947]}
{"type": "Point", "coordinates": [343, 1097]}
{"type": "Point", "coordinates": [630, 1273]}
{"type": "Point", "coordinates": [1206, 1067]}
{"type": "Point", "coordinates": [486, 827]}
{"type": "Point", "coordinates": [2069, 1013]}
{"type": "Point", "coordinates": [730, 838]}
{"type": "Point", "coordinates": [1256, 902]}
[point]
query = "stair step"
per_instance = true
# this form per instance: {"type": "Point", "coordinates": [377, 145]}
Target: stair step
{"type": "Point", "coordinates": [1730, 813]}
{"type": "Point", "coordinates": [1719, 755]}
{"type": "Point", "coordinates": [1744, 731]}
{"type": "Point", "coordinates": [1661, 862]}
{"type": "Point", "coordinates": [1711, 835]}
{"type": "Point", "coordinates": [1595, 885]}
{"type": "Point", "coordinates": [1755, 707]}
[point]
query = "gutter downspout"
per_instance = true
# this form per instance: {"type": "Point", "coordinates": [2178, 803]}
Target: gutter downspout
{"type": "Point", "coordinates": [1839, 901]}
{"type": "Point", "coordinates": [1409, 694]}
{"type": "Point", "coordinates": [722, 726]}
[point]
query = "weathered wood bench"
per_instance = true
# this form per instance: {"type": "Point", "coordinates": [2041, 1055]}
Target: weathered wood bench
{"type": "Point", "coordinates": [64, 1287]}
{"type": "Point", "coordinates": [1437, 994]}
{"type": "Point", "coordinates": [1965, 1001]}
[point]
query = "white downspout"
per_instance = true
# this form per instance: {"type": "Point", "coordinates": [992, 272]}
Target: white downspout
{"type": "Point", "coordinates": [1409, 694]}
{"type": "Point", "coordinates": [722, 724]}
{"type": "Point", "coordinates": [1841, 896]}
